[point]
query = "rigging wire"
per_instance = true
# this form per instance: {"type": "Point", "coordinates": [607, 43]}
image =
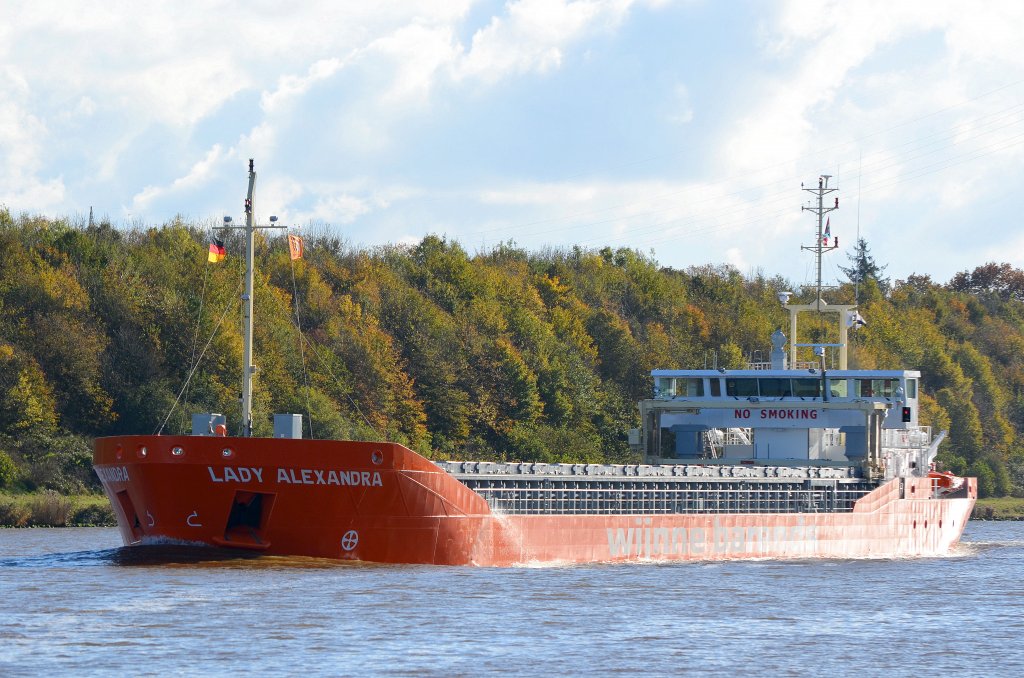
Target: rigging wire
{"type": "Point", "coordinates": [195, 341]}
{"type": "Point", "coordinates": [302, 352]}
{"type": "Point", "coordinates": [192, 372]}
{"type": "Point", "coordinates": [327, 365]}
{"type": "Point", "coordinates": [856, 282]}
{"type": "Point", "coordinates": [324, 363]}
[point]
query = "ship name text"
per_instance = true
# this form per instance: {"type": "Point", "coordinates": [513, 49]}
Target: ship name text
{"type": "Point", "coordinates": [236, 474]}
{"type": "Point", "coordinates": [647, 541]}
{"type": "Point", "coordinates": [113, 474]}
{"type": "Point", "coordinates": [313, 476]}
{"type": "Point", "coordinates": [291, 476]}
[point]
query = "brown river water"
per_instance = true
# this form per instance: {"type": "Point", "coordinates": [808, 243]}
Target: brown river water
{"type": "Point", "coordinates": [74, 602]}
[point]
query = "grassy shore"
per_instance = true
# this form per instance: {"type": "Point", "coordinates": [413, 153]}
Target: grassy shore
{"type": "Point", "coordinates": [49, 509]}
{"type": "Point", "coordinates": [999, 508]}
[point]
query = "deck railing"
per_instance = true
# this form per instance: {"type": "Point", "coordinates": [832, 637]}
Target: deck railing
{"type": "Point", "coordinates": [798, 365]}
{"type": "Point", "coordinates": [916, 438]}
{"type": "Point", "coordinates": [581, 497]}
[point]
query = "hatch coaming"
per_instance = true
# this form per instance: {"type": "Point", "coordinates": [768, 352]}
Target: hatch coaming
{"type": "Point", "coordinates": [643, 489]}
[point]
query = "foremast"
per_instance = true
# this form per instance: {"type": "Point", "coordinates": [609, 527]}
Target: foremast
{"type": "Point", "coordinates": [248, 368]}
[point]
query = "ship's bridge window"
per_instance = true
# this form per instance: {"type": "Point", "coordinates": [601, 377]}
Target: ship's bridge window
{"type": "Point", "coordinates": [875, 388]}
{"type": "Point", "coordinates": [665, 386]}
{"type": "Point", "coordinates": [911, 388]}
{"type": "Point", "coordinates": [838, 388]}
{"type": "Point", "coordinates": [690, 386]}
{"type": "Point", "coordinates": [807, 388]}
{"type": "Point", "coordinates": [775, 388]}
{"type": "Point", "coordinates": [742, 388]}
{"type": "Point", "coordinates": [680, 387]}
{"type": "Point", "coordinates": [716, 388]}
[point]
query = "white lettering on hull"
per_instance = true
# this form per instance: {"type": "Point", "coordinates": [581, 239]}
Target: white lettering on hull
{"type": "Point", "coordinates": [644, 541]}
{"type": "Point", "coordinates": [291, 476]}
{"type": "Point", "coordinates": [308, 476]}
{"type": "Point", "coordinates": [236, 474]}
{"type": "Point", "coordinates": [113, 474]}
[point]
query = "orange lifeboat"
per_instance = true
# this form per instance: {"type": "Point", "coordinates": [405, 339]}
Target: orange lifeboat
{"type": "Point", "coordinates": [945, 482]}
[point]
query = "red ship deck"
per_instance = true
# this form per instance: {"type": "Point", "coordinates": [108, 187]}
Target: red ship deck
{"type": "Point", "coordinates": [381, 502]}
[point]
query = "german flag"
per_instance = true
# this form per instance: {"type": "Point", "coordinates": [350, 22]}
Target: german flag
{"type": "Point", "coordinates": [217, 252]}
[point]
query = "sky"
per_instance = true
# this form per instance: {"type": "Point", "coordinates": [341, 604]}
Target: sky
{"type": "Point", "coordinates": [683, 130]}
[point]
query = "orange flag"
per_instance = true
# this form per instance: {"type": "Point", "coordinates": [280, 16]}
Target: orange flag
{"type": "Point", "coordinates": [295, 246]}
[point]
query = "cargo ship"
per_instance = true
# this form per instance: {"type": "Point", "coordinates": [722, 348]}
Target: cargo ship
{"type": "Point", "coordinates": [785, 459]}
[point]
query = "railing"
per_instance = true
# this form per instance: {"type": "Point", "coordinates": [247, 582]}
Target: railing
{"type": "Point", "coordinates": [907, 439]}
{"type": "Point", "coordinates": [832, 437]}
{"type": "Point", "coordinates": [510, 496]}
{"type": "Point", "coordinates": [798, 365]}
{"type": "Point", "coordinates": [715, 439]}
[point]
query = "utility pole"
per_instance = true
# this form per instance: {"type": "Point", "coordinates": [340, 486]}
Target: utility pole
{"type": "Point", "coordinates": [819, 246]}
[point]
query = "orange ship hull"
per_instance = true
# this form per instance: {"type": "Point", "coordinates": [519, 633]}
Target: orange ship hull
{"type": "Point", "coordinates": [381, 502]}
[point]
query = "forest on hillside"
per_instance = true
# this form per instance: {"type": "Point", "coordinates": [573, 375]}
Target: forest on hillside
{"type": "Point", "coordinates": [503, 354]}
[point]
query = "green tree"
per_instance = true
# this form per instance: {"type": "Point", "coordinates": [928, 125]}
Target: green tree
{"type": "Point", "coordinates": [863, 267]}
{"type": "Point", "coordinates": [8, 470]}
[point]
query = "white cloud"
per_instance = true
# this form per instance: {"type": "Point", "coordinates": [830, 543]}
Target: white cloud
{"type": "Point", "coordinates": [533, 35]}
{"type": "Point", "coordinates": [384, 116]}
{"type": "Point", "coordinates": [417, 54]}
{"type": "Point", "coordinates": [23, 136]}
{"type": "Point", "coordinates": [292, 87]}
{"type": "Point", "coordinates": [198, 175]}
{"type": "Point", "coordinates": [735, 256]}
{"type": "Point", "coordinates": [340, 209]}
{"type": "Point", "coordinates": [548, 195]}
{"type": "Point", "coordinates": [992, 35]}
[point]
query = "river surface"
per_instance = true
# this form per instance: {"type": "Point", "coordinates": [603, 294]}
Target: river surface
{"type": "Point", "coordinates": [74, 602]}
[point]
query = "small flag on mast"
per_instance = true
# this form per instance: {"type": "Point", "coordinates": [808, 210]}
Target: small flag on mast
{"type": "Point", "coordinates": [295, 246]}
{"type": "Point", "coordinates": [855, 319]}
{"type": "Point", "coordinates": [217, 252]}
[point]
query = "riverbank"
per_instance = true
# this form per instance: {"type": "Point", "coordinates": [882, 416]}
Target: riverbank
{"type": "Point", "coordinates": [999, 508]}
{"type": "Point", "coordinates": [49, 509]}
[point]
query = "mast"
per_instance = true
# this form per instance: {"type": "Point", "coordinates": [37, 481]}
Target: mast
{"type": "Point", "coordinates": [247, 367]}
{"type": "Point", "coordinates": [819, 248]}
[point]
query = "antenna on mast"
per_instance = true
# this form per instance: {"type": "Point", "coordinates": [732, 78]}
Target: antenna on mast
{"type": "Point", "coordinates": [821, 245]}
{"type": "Point", "coordinates": [821, 242]}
